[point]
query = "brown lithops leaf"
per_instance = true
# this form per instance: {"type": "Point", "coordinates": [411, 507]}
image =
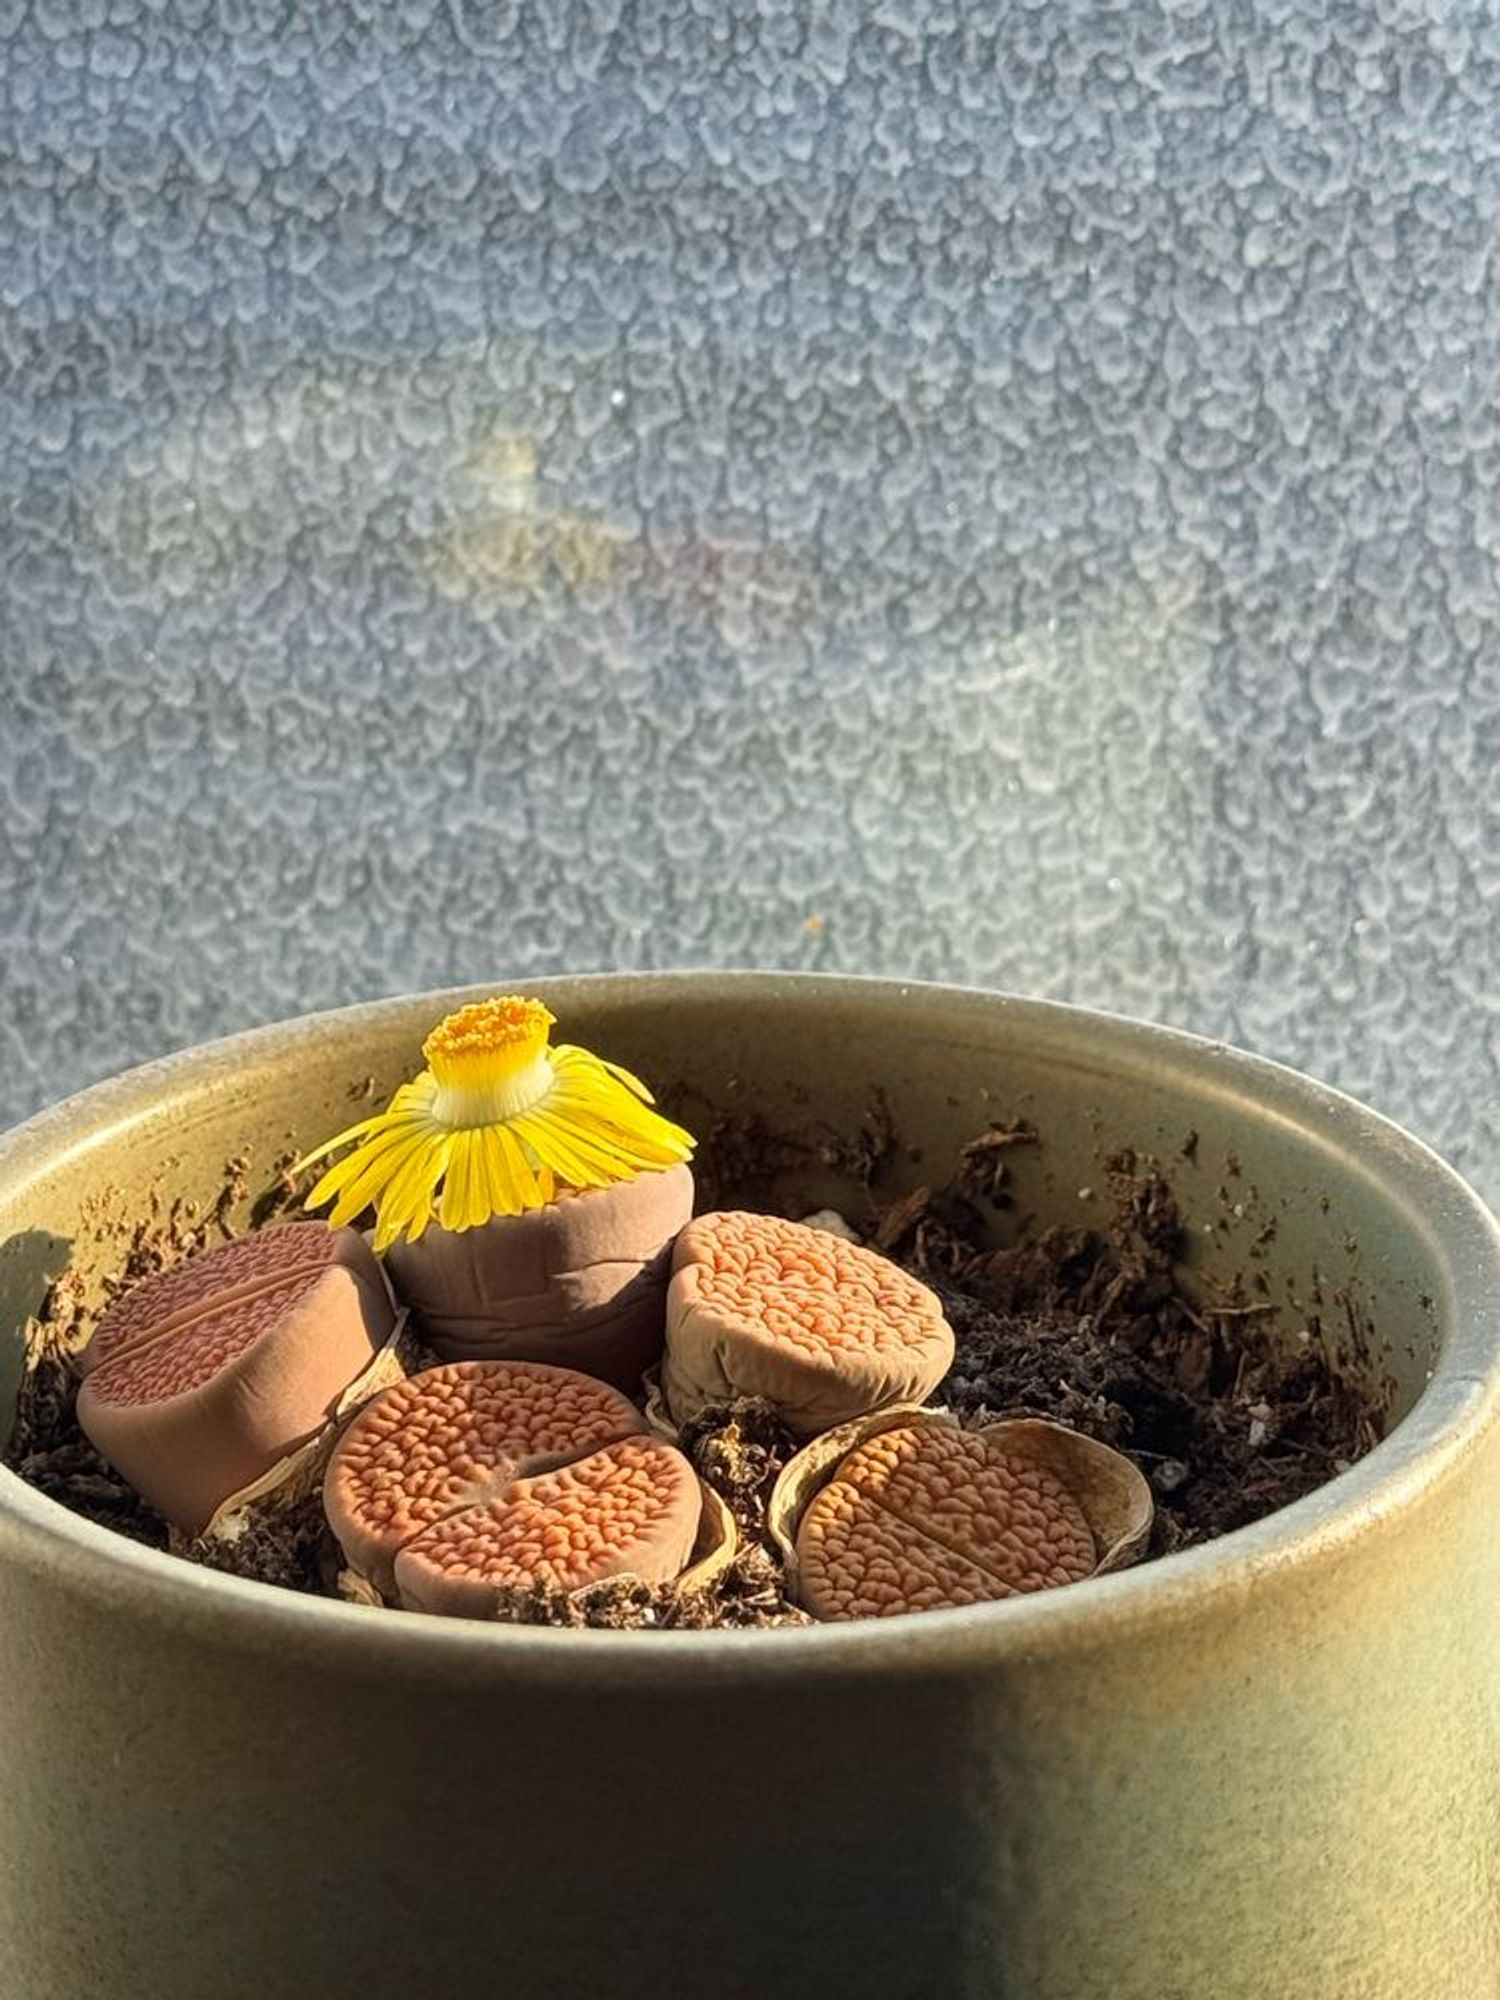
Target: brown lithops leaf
{"type": "Point", "coordinates": [904, 1511]}
{"type": "Point", "coordinates": [915, 1519]}
{"type": "Point", "coordinates": [802, 1476]}
{"type": "Point", "coordinates": [580, 1282]}
{"type": "Point", "coordinates": [822, 1328]}
{"type": "Point", "coordinates": [203, 1379]}
{"type": "Point", "coordinates": [453, 1437]}
{"type": "Point", "coordinates": [631, 1508]}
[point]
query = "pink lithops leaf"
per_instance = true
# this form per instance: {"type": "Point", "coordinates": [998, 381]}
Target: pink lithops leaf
{"type": "Point", "coordinates": [157, 1304]}
{"type": "Point", "coordinates": [207, 1382]}
{"type": "Point", "coordinates": [824, 1329]}
{"type": "Point", "coordinates": [632, 1507]}
{"type": "Point", "coordinates": [922, 1517]}
{"type": "Point", "coordinates": [452, 1437]}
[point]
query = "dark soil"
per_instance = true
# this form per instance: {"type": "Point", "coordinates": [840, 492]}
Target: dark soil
{"type": "Point", "coordinates": [46, 1447]}
{"type": "Point", "coordinates": [1094, 1330]}
{"type": "Point", "coordinates": [1090, 1327]}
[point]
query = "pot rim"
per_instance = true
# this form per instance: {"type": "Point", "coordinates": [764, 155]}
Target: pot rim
{"type": "Point", "coordinates": [1447, 1422]}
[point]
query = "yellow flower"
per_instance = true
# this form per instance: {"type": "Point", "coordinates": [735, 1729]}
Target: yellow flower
{"type": "Point", "coordinates": [494, 1125]}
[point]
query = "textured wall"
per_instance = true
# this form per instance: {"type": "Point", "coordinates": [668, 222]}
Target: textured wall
{"type": "Point", "coordinates": [989, 491]}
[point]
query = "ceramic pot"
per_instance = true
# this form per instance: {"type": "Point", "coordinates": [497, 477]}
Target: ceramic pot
{"type": "Point", "coordinates": [1265, 1767]}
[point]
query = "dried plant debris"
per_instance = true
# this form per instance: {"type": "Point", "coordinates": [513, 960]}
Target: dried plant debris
{"type": "Point", "coordinates": [1093, 1329]}
{"type": "Point", "coordinates": [47, 1448]}
{"type": "Point", "coordinates": [282, 1199]}
{"type": "Point", "coordinates": [983, 1166]}
{"type": "Point", "coordinates": [750, 1596]}
{"type": "Point", "coordinates": [291, 1546]}
{"type": "Point", "coordinates": [1090, 1327]}
{"type": "Point", "coordinates": [739, 1448]}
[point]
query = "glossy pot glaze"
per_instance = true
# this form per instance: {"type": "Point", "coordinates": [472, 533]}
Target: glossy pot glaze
{"type": "Point", "coordinates": [1267, 1766]}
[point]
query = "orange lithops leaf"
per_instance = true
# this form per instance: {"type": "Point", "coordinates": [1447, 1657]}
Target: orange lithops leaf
{"type": "Point", "coordinates": [200, 1381]}
{"type": "Point", "coordinates": [632, 1507]}
{"type": "Point", "coordinates": [823, 1328]}
{"type": "Point", "coordinates": [454, 1437]}
{"type": "Point", "coordinates": [921, 1517]}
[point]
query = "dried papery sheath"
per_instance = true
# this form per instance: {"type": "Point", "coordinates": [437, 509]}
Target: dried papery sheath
{"type": "Point", "coordinates": [907, 1511]}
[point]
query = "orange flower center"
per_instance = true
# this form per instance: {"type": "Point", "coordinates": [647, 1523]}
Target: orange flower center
{"type": "Point", "coordinates": [489, 1060]}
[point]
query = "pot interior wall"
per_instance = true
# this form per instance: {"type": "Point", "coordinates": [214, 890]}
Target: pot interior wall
{"type": "Point", "coordinates": [1282, 1195]}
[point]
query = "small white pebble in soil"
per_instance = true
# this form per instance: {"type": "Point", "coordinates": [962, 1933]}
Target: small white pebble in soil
{"type": "Point", "coordinates": [831, 1223]}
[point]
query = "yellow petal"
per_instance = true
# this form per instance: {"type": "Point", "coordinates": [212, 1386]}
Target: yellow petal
{"type": "Point", "coordinates": [588, 1085]}
{"type": "Point", "coordinates": [553, 1146]}
{"type": "Point", "coordinates": [494, 1176]}
{"type": "Point", "coordinates": [407, 1203]}
{"type": "Point", "coordinates": [511, 1178]}
{"type": "Point", "coordinates": [379, 1172]}
{"type": "Point", "coordinates": [627, 1077]}
{"type": "Point", "coordinates": [454, 1210]}
{"type": "Point", "coordinates": [354, 1163]}
{"type": "Point", "coordinates": [479, 1209]}
{"type": "Point", "coordinates": [339, 1139]}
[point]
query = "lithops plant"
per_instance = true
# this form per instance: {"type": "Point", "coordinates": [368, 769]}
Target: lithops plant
{"type": "Point", "coordinates": [822, 1328]}
{"type": "Point", "coordinates": [580, 1281]}
{"type": "Point", "coordinates": [455, 1436]}
{"type": "Point", "coordinates": [905, 1511]}
{"type": "Point", "coordinates": [631, 1508]}
{"type": "Point", "coordinates": [200, 1381]}
{"type": "Point", "coordinates": [469, 1449]}
{"type": "Point", "coordinates": [526, 1196]}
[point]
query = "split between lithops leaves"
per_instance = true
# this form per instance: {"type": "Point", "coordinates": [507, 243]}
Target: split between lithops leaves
{"type": "Point", "coordinates": [494, 1125]}
{"type": "Point", "coordinates": [452, 1437]}
{"type": "Point", "coordinates": [477, 1478]}
{"type": "Point", "coordinates": [631, 1508]}
{"type": "Point", "coordinates": [904, 1511]}
{"type": "Point", "coordinates": [824, 1329]}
